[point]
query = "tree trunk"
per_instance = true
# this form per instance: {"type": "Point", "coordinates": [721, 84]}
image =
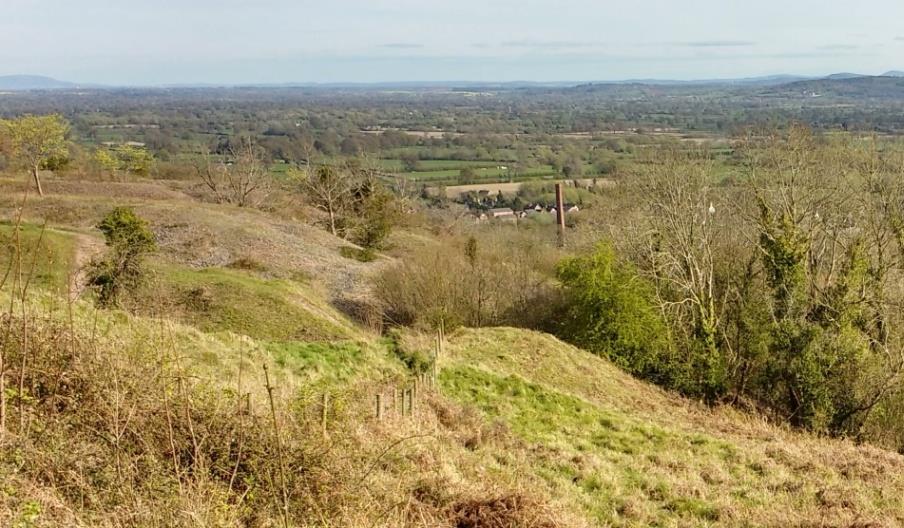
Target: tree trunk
{"type": "Point", "coordinates": [37, 177]}
{"type": "Point", "coordinates": [332, 220]}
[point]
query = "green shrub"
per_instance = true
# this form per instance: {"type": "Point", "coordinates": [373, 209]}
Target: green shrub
{"type": "Point", "coordinates": [610, 312]}
{"type": "Point", "coordinates": [374, 214]}
{"type": "Point", "coordinates": [129, 239]}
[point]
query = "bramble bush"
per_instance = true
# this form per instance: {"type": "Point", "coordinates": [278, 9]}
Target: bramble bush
{"type": "Point", "coordinates": [120, 271]}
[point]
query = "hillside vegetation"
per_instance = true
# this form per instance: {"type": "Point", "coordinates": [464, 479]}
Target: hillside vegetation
{"type": "Point", "coordinates": [633, 455]}
{"type": "Point", "coordinates": [200, 401]}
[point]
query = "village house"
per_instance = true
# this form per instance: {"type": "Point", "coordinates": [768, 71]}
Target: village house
{"type": "Point", "coordinates": [501, 212]}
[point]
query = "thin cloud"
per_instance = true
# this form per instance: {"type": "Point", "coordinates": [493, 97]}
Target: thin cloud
{"type": "Point", "coordinates": [531, 43]}
{"type": "Point", "coordinates": [838, 47]}
{"type": "Point", "coordinates": [718, 44]}
{"type": "Point", "coordinates": [401, 45]}
{"type": "Point", "coordinates": [899, 39]}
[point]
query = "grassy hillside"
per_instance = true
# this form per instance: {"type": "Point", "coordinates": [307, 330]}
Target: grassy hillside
{"type": "Point", "coordinates": [154, 416]}
{"type": "Point", "coordinates": [47, 255]}
{"type": "Point", "coordinates": [632, 455]}
{"type": "Point", "coordinates": [223, 299]}
{"type": "Point", "coordinates": [282, 243]}
{"type": "Point", "coordinates": [204, 405]}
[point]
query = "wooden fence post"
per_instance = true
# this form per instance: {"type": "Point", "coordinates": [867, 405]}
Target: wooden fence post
{"type": "Point", "coordinates": [379, 407]}
{"type": "Point", "coordinates": [323, 407]}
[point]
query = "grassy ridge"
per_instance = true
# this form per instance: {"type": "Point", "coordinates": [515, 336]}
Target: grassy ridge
{"type": "Point", "coordinates": [211, 299]}
{"type": "Point", "coordinates": [593, 451]}
{"type": "Point", "coordinates": [221, 299]}
{"type": "Point", "coordinates": [633, 455]}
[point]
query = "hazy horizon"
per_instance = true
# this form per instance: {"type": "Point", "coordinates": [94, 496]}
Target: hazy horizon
{"type": "Point", "coordinates": [352, 41]}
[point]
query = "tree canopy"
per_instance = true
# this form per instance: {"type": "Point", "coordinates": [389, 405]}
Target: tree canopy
{"type": "Point", "coordinates": [36, 141]}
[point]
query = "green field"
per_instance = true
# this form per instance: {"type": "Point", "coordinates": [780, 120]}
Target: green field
{"type": "Point", "coordinates": [493, 174]}
{"type": "Point", "coordinates": [396, 165]}
{"type": "Point", "coordinates": [448, 172]}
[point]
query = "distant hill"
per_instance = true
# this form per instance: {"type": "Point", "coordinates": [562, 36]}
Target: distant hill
{"type": "Point", "coordinates": [886, 87]}
{"type": "Point", "coordinates": [893, 73]}
{"type": "Point", "coordinates": [844, 75]}
{"type": "Point", "coordinates": [32, 82]}
{"type": "Point", "coordinates": [769, 80]}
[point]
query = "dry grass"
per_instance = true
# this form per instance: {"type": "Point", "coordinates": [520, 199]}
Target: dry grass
{"type": "Point", "coordinates": [634, 455]}
{"type": "Point", "coordinates": [121, 420]}
{"type": "Point", "coordinates": [198, 234]}
{"type": "Point", "coordinates": [133, 420]}
{"type": "Point", "coordinates": [203, 235]}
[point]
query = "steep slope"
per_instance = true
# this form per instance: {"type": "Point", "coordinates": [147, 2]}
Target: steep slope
{"type": "Point", "coordinates": [188, 411]}
{"type": "Point", "coordinates": [132, 420]}
{"type": "Point", "coordinates": [633, 455]}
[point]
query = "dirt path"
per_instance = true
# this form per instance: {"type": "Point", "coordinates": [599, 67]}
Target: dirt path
{"type": "Point", "coordinates": [86, 248]}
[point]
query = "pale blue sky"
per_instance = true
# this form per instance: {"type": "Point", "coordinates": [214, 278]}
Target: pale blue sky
{"type": "Point", "coordinates": [266, 41]}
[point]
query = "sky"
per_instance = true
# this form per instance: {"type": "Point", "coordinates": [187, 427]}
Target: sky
{"type": "Point", "coordinates": [153, 42]}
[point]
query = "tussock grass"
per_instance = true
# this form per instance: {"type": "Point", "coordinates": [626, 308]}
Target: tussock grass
{"type": "Point", "coordinates": [633, 455]}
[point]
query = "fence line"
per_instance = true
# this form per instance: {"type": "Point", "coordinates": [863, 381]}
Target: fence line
{"type": "Point", "coordinates": [399, 401]}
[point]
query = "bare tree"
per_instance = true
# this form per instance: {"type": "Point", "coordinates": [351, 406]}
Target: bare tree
{"type": "Point", "coordinates": [243, 179]}
{"type": "Point", "coordinates": [329, 189]}
{"type": "Point", "coordinates": [683, 227]}
{"type": "Point", "coordinates": [683, 223]}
